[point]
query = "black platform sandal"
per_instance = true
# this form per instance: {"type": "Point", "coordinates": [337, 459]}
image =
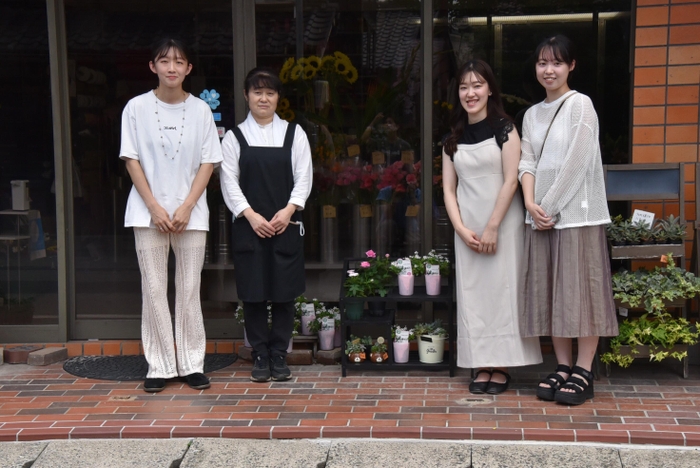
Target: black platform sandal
{"type": "Point", "coordinates": [478, 388]}
{"type": "Point", "coordinates": [554, 381]}
{"type": "Point", "coordinates": [582, 390]}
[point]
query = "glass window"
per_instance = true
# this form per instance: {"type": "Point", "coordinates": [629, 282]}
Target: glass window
{"type": "Point", "coordinates": [109, 46]}
{"type": "Point", "coordinates": [355, 90]}
{"type": "Point", "coordinates": [28, 262]}
{"type": "Point", "coordinates": [505, 34]}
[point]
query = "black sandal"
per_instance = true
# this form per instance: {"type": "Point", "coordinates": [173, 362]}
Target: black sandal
{"type": "Point", "coordinates": [479, 387]}
{"type": "Point", "coordinates": [582, 390]}
{"type": "Point", "coordinates": [555, 381]}
{"type": "Point", "coordinates": [496, 388]}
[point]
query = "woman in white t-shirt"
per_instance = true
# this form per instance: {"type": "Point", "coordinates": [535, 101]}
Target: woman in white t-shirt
{"type": "Point", "coordinates": [566, 290]}
{"type": "Point", "coordinates": [170, 145]}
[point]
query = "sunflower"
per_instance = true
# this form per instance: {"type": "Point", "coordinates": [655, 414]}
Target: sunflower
{"type": "Point", "coordinates": [283, 105]}
{"type": "Point", "coordinates": [287, 115]}
{"type": "Point", "coordinates": [288, 64]}
{"type": "Point", "coordinates": [328, 60]}
{"type": "Point", "coordinates": [295, 73]}
{"type": "Point", "coordinates": [284, 76]}
{"type": "Point", "coordinates": [313, 61]}
{"type": "Point", "coordinates": [343, 63]}
{"type": "Point", "coordinates": [351, 75]}
{"type": "Point", "coordinates": [309, 72]}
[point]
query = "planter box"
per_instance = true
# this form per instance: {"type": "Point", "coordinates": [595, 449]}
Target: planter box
{"type": "Point", "coordinates": [643, 353]}
{"type": "Point", "coordinates": [622, 252]}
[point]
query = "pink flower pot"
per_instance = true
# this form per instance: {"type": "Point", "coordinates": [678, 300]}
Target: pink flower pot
{"type": "Point", "coordinates": [401, 352]}
{"type": "Point", "coordinates": [291, 345]}
{"type": "Point", "coordinates": [246, 343]}
{"type": "Point", "coordinates": [325, 339]}
{"type": "Point", "coordinates": [337, 339]}
{"type": "Point", "coordinates": [305, 321]}
{"type": "Point", "coordinates": [406, 285]}
{"type": "Point", "coordinates": [432, 285]}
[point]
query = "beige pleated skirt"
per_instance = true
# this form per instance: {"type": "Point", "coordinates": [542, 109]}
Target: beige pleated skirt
{"type": "Point", "coordinates": [566, 290]}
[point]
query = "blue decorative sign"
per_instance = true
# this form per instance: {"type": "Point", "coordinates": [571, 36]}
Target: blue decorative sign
{"type": "Point", "coordinates": [217, 116]}
{"type": "Point", "coordinates": [211, 98]}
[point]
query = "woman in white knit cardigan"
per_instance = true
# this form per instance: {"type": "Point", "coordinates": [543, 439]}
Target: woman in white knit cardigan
{"type": "Point", "coordinates": [566, 289]}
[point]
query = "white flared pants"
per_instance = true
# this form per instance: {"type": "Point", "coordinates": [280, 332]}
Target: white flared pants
{"type": "Point", "coordinates": [159, 345]}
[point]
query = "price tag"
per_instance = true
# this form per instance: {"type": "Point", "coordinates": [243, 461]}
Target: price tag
{"type": "Point", "coordinates": [407, 157]}
{"type": "Point", "coordinates": [353, 150]}
{"type": "Point", "coordinates": [329, 211]}
{"type": "Point", "coordinates": [412, 211]}
{"type": "Point", "coordinates": [406, 268]}
{"type": "Point", "coordinates": [309, 309]}
{"type": "Point", "coordinates": [327, 323]}
{"type": "Point", "coordinates": [622, 311]}
{"type": "Point", "coordinates": [643, 217]}
{"type": "Point", "coordinates": [365, 211]}
{"type": "Point", "coordinates": [378, 157]}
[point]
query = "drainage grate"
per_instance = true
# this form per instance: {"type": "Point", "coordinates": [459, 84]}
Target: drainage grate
{"type": "Point", "coordinates": [474, 401]}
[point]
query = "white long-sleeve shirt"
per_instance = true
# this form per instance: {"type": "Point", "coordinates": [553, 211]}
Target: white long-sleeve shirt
{"type": "Point", "coordinates": [271, 135]}
{"type": "Point", "coordinates": [569, 182]}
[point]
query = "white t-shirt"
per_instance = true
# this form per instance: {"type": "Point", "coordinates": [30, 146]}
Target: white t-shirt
{"type": "Point", "coordinates": [569, 183]}
{"type": "Point", "coordinates": [169, 177]}
{"type": "Point", "coordinates": [265, 135]}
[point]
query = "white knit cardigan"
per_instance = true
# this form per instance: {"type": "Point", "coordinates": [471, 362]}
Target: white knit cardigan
{"type": "Point", "coordinates": [569, 184]}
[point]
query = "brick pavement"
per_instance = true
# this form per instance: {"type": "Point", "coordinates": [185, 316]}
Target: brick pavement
{"type": "Point", "coordinates": [645, 404]}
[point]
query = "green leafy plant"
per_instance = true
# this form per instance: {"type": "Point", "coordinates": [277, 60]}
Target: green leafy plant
{"type": "Point", "coordinates": [434, 328]}
{"type": "Point", "coordinates": [315, 325]}
{"type": "Point", "coordinates": [660, 333]}
{"type": "Point", "coordinates": [656, 328]}
{"type": "Point", "coordinates": [379, 346]}
{"type": "Point", "coordinates": [675, 230]}
{"type": "Point", "coordinates": [354, 346]}
{"type": "Point", "coordinates": [372, 277]}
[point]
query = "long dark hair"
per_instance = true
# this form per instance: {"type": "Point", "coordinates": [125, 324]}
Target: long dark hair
{"type": "Point", "coordinates": [561, 48]}
{"type": "Point", "coordinates": [162, 47]}
{"type": "Point", "coordinates": [495, 114]}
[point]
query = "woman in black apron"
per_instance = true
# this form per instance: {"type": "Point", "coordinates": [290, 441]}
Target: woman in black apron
{"type": "Point", "coordinates": [266, 178]}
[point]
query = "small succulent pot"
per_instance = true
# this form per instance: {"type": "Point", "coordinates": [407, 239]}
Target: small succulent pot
{"type": "Point", "coordinates": [378, 358]}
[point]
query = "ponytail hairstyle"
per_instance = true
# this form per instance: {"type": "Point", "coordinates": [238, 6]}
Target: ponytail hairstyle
{"type": "Point", "coordinates": [496, 115]}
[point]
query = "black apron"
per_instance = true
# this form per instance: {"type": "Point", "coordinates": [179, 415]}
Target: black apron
{"type": "Point", "coordinates": [267, 269]}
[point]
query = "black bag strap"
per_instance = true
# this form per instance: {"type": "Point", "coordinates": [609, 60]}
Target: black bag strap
{"type": "Point", "coordinates": [550, 124]}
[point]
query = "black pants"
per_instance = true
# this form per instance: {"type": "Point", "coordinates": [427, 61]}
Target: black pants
{"type": "Point", "coordinates": [269, 342]}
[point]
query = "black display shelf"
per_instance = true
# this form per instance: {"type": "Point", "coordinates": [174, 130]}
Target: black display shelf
{"type": "Point", "coordinates": [387, 320]}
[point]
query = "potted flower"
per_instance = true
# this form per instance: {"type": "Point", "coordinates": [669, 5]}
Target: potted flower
{"type": "Point", "coordinates": [372, 277]}
{"type": "Point", "coordinates": [656, 334]}
{"type": "Point", "coordinates": [355, 350]}
{"type": "Point", "coordinates": [306, 311]}
{"type": "Point", "coordinates": [378, 351]}
{"type": "Point", "coordinates": [436, 266]}
{"type": "Point", "coordinates": [402, 337]}
{"type": "Point", "coordinates": [431, 341]}
{"type": "Point", "coordinates": [324, 325]}
{"type": "Point", "coordinates": [407, 269]}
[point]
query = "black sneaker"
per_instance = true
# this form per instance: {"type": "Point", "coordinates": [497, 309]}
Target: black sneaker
{"type": "Point", "coordinates": [154, 385]}
{"type": "Point", "coordinates": [279, 369]}
{"type": "Point", "coordinates": [261, 369]}
{"type": "Point", "coordinates": [198, 381]}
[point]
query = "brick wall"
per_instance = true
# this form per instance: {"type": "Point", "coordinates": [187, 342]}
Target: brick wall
{"type": "Point", "coordinates": [666, 88]}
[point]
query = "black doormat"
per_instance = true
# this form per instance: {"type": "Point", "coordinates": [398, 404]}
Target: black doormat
{"type": "Point", "coordinates": [130, 367]}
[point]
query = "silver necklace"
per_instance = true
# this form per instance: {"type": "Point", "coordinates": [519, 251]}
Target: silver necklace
{"type": "Point", "coordinates": [160, 127]}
